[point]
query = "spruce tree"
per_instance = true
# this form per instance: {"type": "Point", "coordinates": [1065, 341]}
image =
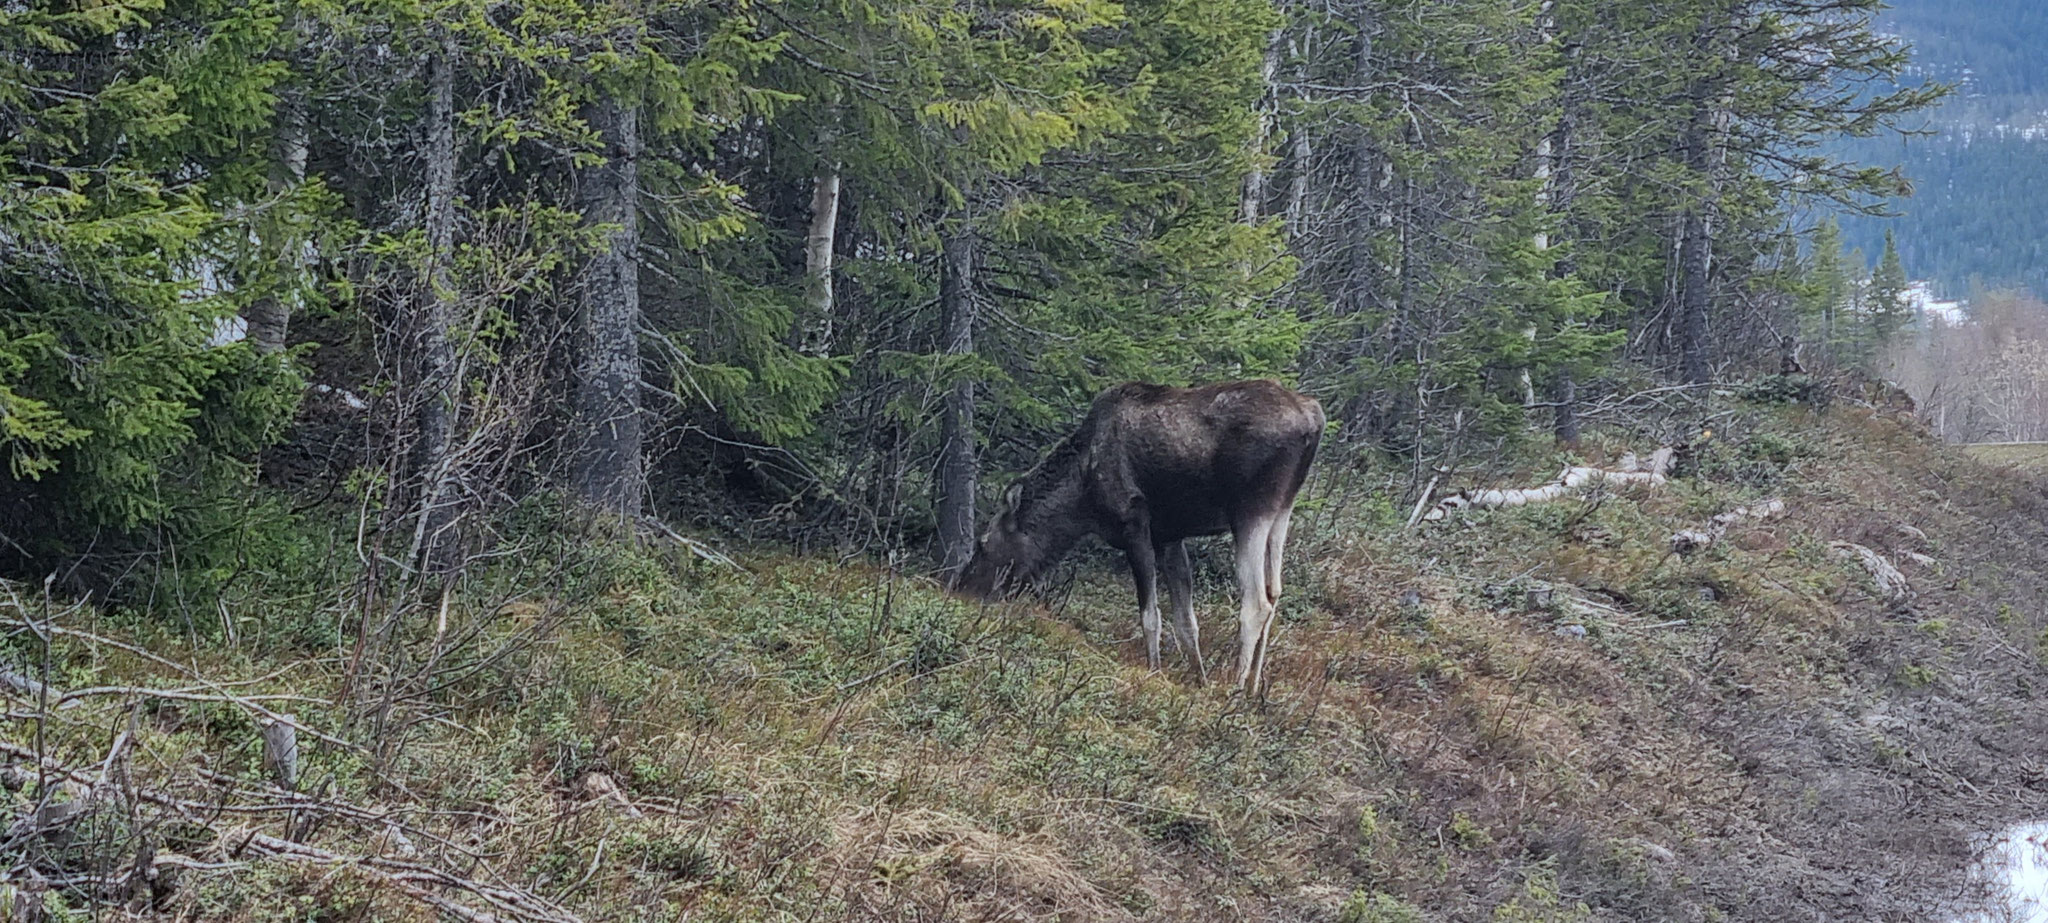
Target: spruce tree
{"type": "Point", "coordinates": [1825, 296]}
{"type": "Point", "coordinates": [1890, 312]}
{"type": "Point", "coordinates": [130, 134]}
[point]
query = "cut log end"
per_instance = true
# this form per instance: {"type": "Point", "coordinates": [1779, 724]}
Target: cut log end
{"type": "Point", "coordinates": [281, 750]}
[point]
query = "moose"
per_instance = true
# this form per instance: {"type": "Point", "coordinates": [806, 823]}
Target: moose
{"type": "Point", "coordinates": [1149, 467]}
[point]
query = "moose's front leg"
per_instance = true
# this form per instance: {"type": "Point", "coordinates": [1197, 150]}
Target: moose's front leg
{"type": "Point", "coordinates": [1180, 593]}
{"type": "Point", "coordinates": [1145, 573]}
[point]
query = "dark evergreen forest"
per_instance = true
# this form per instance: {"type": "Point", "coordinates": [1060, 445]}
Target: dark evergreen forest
{"type": "Point", "coordinates": [1979, 213]}
{"type": "Point", "coordinates": [1978, 216]}
{"type": "Point", "coordinates": [816, 271]}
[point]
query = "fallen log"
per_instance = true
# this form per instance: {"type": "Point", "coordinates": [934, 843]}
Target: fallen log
{"type": "Point", "coordinates": [1690, 540]}
{"type": "Point", "coordinates": [1891, 584]}
{"type": "Point", "coordinates": [1629, 471]}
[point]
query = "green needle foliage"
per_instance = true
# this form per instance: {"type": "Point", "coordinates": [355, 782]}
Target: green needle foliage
{"type": "Point", "coordinates": [132, 134]}
{"type": "Point", "coordinates": [818, 252]}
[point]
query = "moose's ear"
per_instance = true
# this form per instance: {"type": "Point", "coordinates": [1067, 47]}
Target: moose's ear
{"type": "Point", "coordinates": [1013, 496]}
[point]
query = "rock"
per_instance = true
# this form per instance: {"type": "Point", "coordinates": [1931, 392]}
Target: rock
{"type": "Point", "coordinates": [401, 845]}
{"type": "Point", "coordinates": [1655, 852]}
{"type": "Point", "coordinates": [1690, 540]}
{"type": "Point", "coordinates": [51, 822]}
{"type": "Point", "coordinates": [281, 750]}
{"type": "Point", "coordinates": [600, 787]}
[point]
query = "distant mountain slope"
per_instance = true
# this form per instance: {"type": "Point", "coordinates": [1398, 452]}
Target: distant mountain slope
{"type": "Point", "coordinates": [1980, 212]}
{"type": "Point", "coordinates": [1992, 47]}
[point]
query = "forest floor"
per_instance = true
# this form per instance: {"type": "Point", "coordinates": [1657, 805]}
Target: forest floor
{"type": "Point", "coordinates": [1528, 714]}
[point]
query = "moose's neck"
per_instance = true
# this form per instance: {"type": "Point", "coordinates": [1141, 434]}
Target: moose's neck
{"type": "Point", "coordinates": [1056, 514]}
{"type": "Point", "coordinates": [1061, 518]}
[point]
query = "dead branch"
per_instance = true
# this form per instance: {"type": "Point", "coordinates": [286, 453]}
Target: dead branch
{"type": "Point", "coordinates": [251, 703]}
{"type": "Point", "coordinates": [420, 880]}
{"type": "Point", "coordinates": [691, 545]}
{"type": "Point", "coordinates": [423, 882]}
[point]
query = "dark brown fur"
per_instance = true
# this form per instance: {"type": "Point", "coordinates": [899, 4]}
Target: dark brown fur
{"type": "Point", "coordinates": [1149, 467]}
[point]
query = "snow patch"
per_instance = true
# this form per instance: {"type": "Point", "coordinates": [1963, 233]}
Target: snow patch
{"type": "Point", "coordinates": [348, 398]}
{"type": "Point", "coordinates": [230, 329]}
{"type": "Point", "coordinates": [2014, 862]}
{"type": "Point", "coordinates": [1920, 297]}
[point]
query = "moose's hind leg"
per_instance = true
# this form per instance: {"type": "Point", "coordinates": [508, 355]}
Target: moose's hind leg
{"type": "Point", "coordinates": [1276, 545]}
{"type": "Point", "coordinates": [1249, 541]}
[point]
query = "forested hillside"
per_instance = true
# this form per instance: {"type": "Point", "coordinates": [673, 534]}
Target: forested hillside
{"type": "Point", "coordinates": [1975, 218]}
{"type": "Point", "coordinates": [492, 461]}
{"type": "Point", "coordinates": [1990, 48]}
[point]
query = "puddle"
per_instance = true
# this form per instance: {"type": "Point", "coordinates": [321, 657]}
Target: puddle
{"type": "Point", "coordinates": [2015, 858]}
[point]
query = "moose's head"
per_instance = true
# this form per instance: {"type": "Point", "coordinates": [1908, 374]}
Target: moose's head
{"type": "Point", "coordinates": [1006, 557]}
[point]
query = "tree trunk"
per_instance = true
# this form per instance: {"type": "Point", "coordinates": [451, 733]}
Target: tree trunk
{"type": "Point", "coordinates": [1546, 147]}
{"type": "Point", "coordinates": [818, 303]}
{"type": "Point", "coordinates": [607, 471]}
{"type": "Point", "coordinates": [1528, 376]}
{"type": "Point", "coordinates": [435, 415]}
{"type": "Point", "coordinates": [1541, 239]}
{"type": "Point", "coordinates": [1563, 188]}
{"type": "Point", "coordinates": [957, 472]}
{"type": "Point", "coordinates": [1299, 165]}
{"type": "Point", "coordinates": [1254, 203]}
{"type": "Point", "coordinates": [1695, 257]}
{"type": "Point", "coordinates": [1566, 394]}
{"type": "Point", "coordinates": [270, 316]}
{"type": "Point", "coordinates": [1704, 156]}
{"type": "Point", "coordinates": [1560, 192]}
{"type": "Point", "coordinates": [1371, 201]}
{"type": "Point", "coordinates": [1411, 219]}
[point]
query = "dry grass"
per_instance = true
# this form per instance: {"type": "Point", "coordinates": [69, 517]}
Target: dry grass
{"type": "Point", "coordinates": [2032, 455]}
{"type": "Point", "coordinates": [940, 862]}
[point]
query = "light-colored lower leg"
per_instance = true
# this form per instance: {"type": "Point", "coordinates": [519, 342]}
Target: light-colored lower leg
{"type": "Point", "coordinates": [1250, 545]}
{"type": "Point", "coordinates": [1276, 546]}
{"type": "Point", "coordinates": [1180, 594]}
{"type": "Point", "coordinates": [1150, 616]}
{"type": "Point", "coordinates": [1145, 576]}
{"type": "Point", "coordinates": [1265, 647]}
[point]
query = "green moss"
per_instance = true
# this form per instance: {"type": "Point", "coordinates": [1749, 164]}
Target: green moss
{"type": "Point", "coordinates": [1467, 834]}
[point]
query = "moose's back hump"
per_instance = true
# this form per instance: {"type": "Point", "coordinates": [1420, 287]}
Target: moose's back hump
{"type": "Point", "coordinates": [1200, 456]}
